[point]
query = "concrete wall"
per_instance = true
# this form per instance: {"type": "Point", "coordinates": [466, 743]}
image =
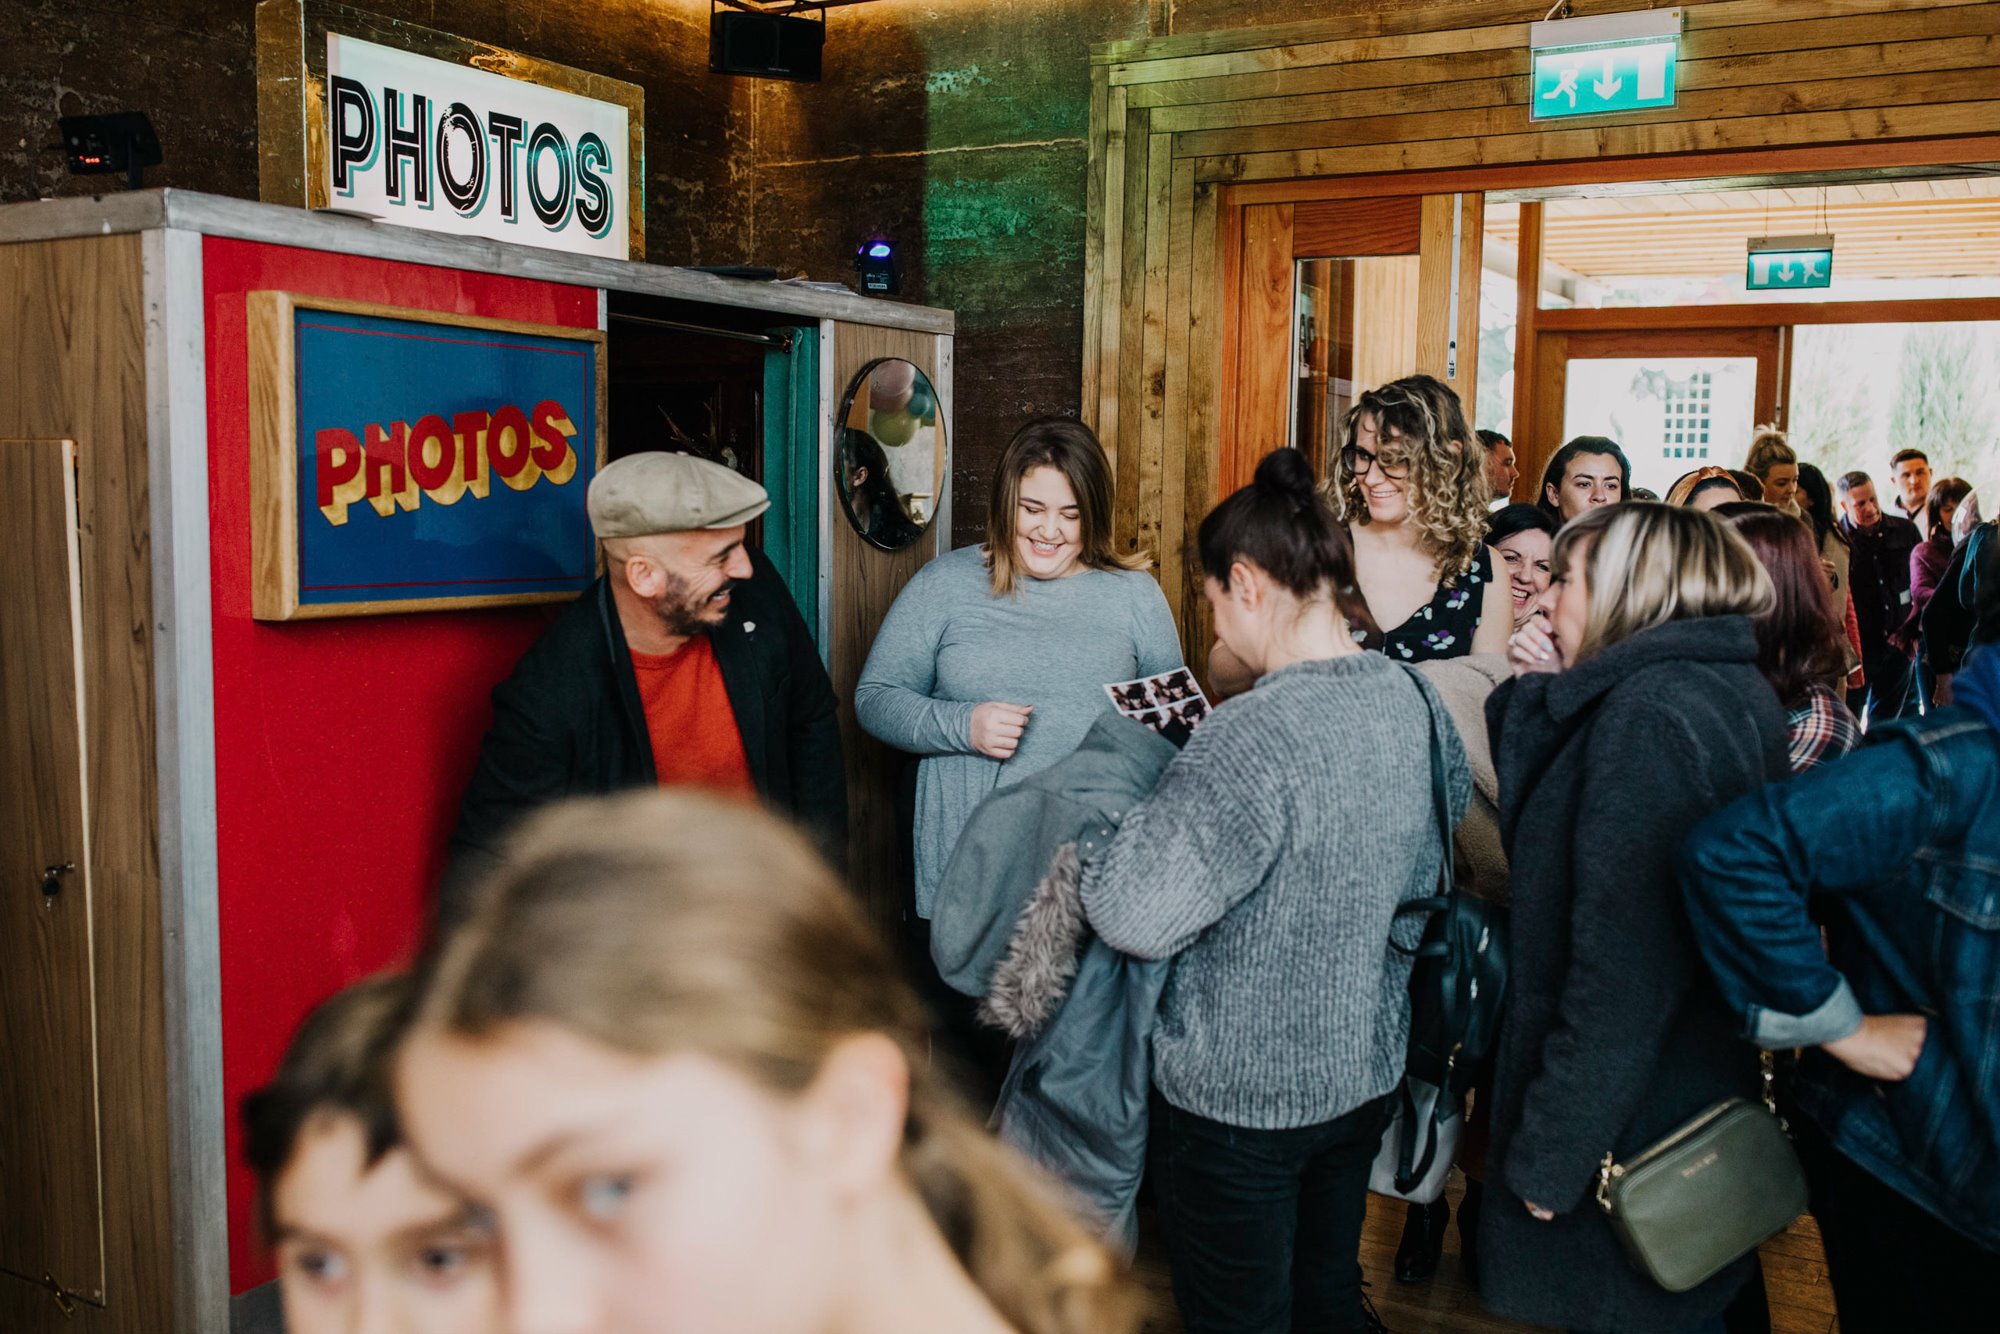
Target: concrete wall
{"type": "Point", "coordinates": [955, 126]}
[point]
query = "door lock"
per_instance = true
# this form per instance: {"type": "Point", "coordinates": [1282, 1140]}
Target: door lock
{"type": "Point", "coordinates": [52, 878]}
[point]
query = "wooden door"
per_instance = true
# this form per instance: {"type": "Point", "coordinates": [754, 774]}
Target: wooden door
{"type": "Point", "coordinates": [1325, 299]}
{"type": "Point", "coordinates": [1672, 440]}
{"type": "Point", "coordinates": [51, 1224]}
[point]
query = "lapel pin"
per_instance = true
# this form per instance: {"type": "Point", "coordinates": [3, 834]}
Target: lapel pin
{"type": "Point", "coordinates": [749, 627]}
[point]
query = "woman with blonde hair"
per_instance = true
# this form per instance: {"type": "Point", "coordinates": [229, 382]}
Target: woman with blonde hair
{"type": "Point", "coordinates": [992, 663]}
{"type": "Point", "coordinates": [1773, 462]}
{"type": "Point", "coordinates": [667, 1056]}
{"type": "Point", "coordinates": [1637, 709]}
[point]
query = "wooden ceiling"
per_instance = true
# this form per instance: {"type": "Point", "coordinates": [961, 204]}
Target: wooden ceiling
{"type": "Point", "coordinates": [1890, 229]}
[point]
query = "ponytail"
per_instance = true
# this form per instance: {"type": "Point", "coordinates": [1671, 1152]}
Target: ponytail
{"type": "Point", "coordinates": [1282, 524]}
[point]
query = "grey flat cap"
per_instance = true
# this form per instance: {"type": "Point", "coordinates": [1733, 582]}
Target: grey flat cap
{"type": "Point", "coordinates": [648, 493]}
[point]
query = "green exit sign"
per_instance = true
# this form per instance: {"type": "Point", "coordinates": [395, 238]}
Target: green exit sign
{"type": "Point", "coordinates": [1596, 66]}
{"type": "Point", "coordinates": [1777, 263]}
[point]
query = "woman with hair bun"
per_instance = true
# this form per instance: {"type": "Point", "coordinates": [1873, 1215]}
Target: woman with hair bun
{"type": "Point", "coordinates": [668, 1057]}
{"type": "Point", "coordinates": [1281, 1032]}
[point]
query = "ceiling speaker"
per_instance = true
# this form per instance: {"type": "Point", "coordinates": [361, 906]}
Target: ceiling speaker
{"type": "Point", "coordinates": [768, 46]}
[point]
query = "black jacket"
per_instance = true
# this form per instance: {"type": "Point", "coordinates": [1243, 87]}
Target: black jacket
{"type": "Point", "coordinates": [1879, 578]}
{"type": "Point", "coordinates": [569, 722]}
{"type": "Point", "coordinates": [1614, 1033]}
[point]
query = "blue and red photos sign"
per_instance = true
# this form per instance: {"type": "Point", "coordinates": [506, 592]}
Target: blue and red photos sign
{"type": "Point", "coordinates": [431, 462]}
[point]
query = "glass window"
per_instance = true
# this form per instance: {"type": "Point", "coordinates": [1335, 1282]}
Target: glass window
{"type": "Point", "coordinates": [1661, 409]}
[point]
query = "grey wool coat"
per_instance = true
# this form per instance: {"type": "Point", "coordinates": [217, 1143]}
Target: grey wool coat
{"type": "Point", "coordinates": [1009, 927]}
{"type": "Point", "coordinates": [1614, 1033]}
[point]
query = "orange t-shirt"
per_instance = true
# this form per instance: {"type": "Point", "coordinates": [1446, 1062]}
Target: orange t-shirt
{"type": "Point", "coordinates": [689, 719]}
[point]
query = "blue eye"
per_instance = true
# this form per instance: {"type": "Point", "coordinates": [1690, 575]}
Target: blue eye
{"type": "Point", "coordinates": [321, 1266]}
{"type": "Point", "coordinates": [604, 1197]}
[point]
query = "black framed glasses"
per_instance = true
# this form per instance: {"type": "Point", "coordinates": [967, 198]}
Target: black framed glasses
{"type": "Point", "coordinates": [1357, 461]}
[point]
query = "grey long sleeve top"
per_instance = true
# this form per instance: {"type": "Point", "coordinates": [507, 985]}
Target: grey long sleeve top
{"type": "Point", "coordinates": [949, 645]}
{"type": "Point", "coordinates": [1269, 864]}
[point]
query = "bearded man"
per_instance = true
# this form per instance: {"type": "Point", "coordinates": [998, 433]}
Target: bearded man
{"type": "Point", "coordinates": [687, 663]}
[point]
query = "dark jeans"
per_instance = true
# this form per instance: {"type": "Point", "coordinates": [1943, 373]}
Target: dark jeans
{"type": "Point", "coordinates": [1891, 688]}
{"type": "Point", "coordinates": [1894, 1268]}
{"type": "Point", "coordinates": [1263, 1227]}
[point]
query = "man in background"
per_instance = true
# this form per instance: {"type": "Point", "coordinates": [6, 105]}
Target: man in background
{"type": "Point", "coordinates": [1910, 470]}
{"type": "Point", "coordinates": [1501, 469]}
{"type": "Point", "coordinates": [1879, 578]}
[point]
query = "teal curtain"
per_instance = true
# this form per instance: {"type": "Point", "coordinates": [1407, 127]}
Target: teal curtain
{"type": "Point", "coordinates": [791, 464]}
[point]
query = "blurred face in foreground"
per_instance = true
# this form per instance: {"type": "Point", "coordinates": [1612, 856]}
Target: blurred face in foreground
{"type": "Point", "coordinates": [656, 1194]}
{"type": "Point", "coordinates": [375, 1248]}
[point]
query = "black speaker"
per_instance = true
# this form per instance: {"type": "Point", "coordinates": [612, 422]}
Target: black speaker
{"type": "Point", "coordinates": [769, 46]}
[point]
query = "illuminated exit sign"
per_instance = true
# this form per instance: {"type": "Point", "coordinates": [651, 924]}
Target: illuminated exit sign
{"type": "Point", "coordinates": [1779, 262]}
{"type": "Point", "coordinates": [1594, 66]}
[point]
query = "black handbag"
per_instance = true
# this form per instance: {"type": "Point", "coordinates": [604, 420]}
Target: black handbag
{"type": "Point", "coordinates": [1458, 985]}
{"type": "Point", "coordinates": [1714, 1190]}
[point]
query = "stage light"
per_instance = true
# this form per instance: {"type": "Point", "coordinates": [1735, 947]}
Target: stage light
{"type": "Point", "coordinates": [122, 141]}
{"type": "Point", "coordinates": [876, 263]}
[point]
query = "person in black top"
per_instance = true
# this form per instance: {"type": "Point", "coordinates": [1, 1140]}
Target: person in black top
{"type": "Point", "coordinates": [1879, 576]}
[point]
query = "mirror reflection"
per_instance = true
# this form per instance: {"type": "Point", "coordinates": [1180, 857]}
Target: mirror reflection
{"type": "Point", "coordinates": [891, 457]}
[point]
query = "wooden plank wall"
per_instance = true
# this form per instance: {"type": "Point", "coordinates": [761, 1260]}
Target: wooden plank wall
{"type": "Point", "coordinates": [865, 581]}
{"type": "Point", "coordinates": [72, 364]}
{"type": "Point", "coordinates": [1186, 129]}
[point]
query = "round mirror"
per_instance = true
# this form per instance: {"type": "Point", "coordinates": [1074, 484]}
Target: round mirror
{"type": "Point", "coordinates": [890, 464]}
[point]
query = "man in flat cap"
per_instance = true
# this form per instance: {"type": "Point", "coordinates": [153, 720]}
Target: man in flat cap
{"type": "Point", "coordinates": [687, 663]}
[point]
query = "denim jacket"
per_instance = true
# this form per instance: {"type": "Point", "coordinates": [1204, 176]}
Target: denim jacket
{"type": "Point", "coordinates": [1897, 847]}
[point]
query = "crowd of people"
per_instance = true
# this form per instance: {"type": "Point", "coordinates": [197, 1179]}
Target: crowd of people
{"type": "Point", "coordinates": [1726, 766]}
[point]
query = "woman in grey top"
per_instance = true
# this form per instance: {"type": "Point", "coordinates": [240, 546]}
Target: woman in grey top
{"type": "Point", "coordinates": [993, 661]}
{"type": "Point", "coordinates": [1269, 864]}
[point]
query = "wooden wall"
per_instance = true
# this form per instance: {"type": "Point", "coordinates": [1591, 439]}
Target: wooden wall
{"type": "Point", "coordinates": [864, 581]}
{"type": "Point", "coordinates": [72, 365]}
{"type": "Point", "coordinates": [1186, 131]}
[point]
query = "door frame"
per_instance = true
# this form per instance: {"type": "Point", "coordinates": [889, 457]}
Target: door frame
{"type": "Point", "coordinates": [1549, 380]}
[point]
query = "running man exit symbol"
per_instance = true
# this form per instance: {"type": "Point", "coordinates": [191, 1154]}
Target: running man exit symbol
{"type": "Point", "coordinates": [1595, 80]}
{"type": "Point", "coordinates": [1778, 262]}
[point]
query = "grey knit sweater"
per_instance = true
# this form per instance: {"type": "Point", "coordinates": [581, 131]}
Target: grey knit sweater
{"type": "Point", "coordinates": [1269, 863]}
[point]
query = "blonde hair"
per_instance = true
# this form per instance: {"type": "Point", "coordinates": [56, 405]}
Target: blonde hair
{"type": "Point", "coordinates": [1449, 494]}
{"type": "Point", "coordinates": [1647, 564]}
{"type": "Point", "coordinates": [673, 921]}
{"type": "Point", "coordinates": [1072, 449]}
{"type": "Point", "coordinates": [1768, 449]}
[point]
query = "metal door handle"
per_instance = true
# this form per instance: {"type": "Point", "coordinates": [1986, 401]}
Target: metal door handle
{"type": "Point", "coordinates": [52, 878]}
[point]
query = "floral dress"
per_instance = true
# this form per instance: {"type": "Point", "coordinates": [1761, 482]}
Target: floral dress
{"type": "Point", "coordinates": [1442, 627]}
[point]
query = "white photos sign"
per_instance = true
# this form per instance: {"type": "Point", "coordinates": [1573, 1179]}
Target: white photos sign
{"type": "Point", "coordinates": [432, 144]}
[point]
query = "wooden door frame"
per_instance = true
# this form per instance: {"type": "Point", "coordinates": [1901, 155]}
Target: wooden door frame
{"type": "Point", "coordinates": [1553, 352]}
{"type": "Point", "coordinates": [1254, 230]}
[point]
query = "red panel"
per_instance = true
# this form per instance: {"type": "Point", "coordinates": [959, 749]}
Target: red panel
{"type": "Point", "coordinates": [341, 746]}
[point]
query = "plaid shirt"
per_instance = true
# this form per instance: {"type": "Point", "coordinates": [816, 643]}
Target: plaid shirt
{"type": "Point", "coordinates": [1821, 728]}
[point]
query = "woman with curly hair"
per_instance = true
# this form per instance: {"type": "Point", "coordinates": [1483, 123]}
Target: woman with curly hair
{"type": "Point", "coordinates": [1413, 498]}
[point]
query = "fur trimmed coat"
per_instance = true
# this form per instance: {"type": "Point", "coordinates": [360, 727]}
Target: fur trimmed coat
{"type": "Point", "coordinates": [1009, 928]}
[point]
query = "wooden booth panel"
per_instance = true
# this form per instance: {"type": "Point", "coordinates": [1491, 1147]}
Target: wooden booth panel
{"type": "Point", "coordinates": [862, 581]}
{"type": "Point", "coordinates": [50, 1184]}
{"type": "Point", "coordinates": [73, 356]}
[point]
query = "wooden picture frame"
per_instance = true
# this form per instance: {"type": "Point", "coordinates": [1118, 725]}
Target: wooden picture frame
{"type": "Point", "coordinates": [276, 549]}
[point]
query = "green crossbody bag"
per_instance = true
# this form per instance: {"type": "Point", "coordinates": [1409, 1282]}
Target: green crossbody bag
{"type": "Point", "coordinates": [1713, 1190]}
